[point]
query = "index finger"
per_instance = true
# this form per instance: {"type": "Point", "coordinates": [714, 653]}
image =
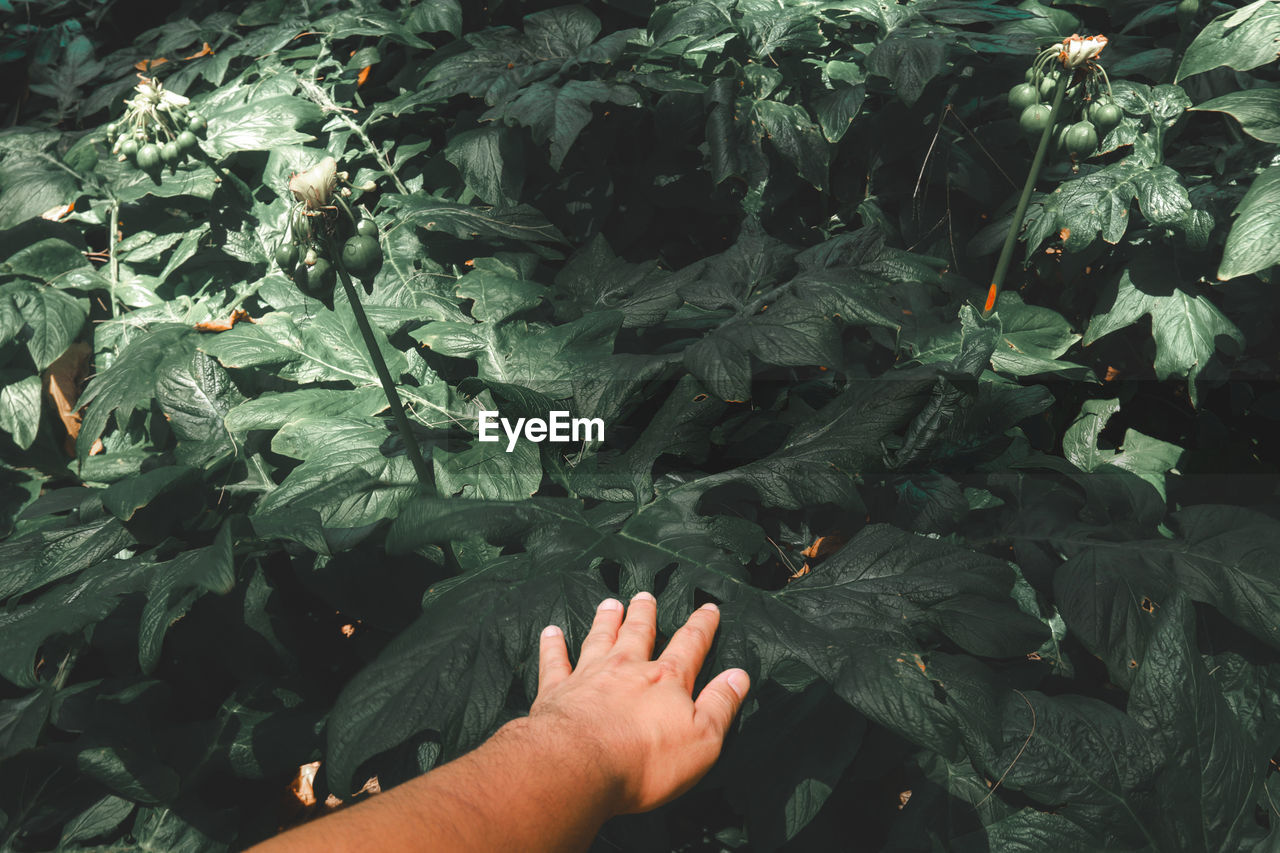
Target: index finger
{"type": "Point", "coordinates": [689, 645]}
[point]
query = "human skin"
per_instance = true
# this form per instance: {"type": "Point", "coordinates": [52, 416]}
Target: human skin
{"type": "Point", "coordinates": [618, 734]}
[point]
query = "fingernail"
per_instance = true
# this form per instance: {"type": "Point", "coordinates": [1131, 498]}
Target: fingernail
{"type": "Point", "coordinates": [643, 596]}
{"type": "Point", "coordinates": [610, 604]}
{"type": "Point", "coordinates": [551, 631]}
{"type": "Point", "coordinates": [710, 605]}
{"type": "Point", "coordinates": [739, 681]}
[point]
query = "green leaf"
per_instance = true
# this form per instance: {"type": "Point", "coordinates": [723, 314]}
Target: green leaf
{"type": "Point", "coordinates": [130, 382]}
{"type": "Point", "coordinates": [486, 624]}
{"type": "Point", "coordinates": [1211, 772]}
{"type": "Point", "coordinates": [1032, 338]}
{"type": "Point", "coordinates": [558, 113]}
{"type": "Point", "coordinates": [67, 608]}
{"type": "Point", "coordinates": [44, 556]}
{"type": "Point", "coordinates": [182, 828]}
{"type": "Point", "coordinates": [29, 186]}
{"type": "Point", "coordinates": [1218, 558]}
{"type": "Point", "coordinates": [175, 585]}
{"type": "Point", "coordinates": [488, 471]}
{"type": "Point", "coordinates": [1254, 241]}
{"type": "Point", "coordinates": [594, 278]}
{"type": "Point", "coordinates": [909, 61]}
{"type": "Point", "coordinates": [1186, 325]}
{"type": "Point", "coordinates": [462, 220]}
{"type": "Point", "coordinates": [250, 122]}
{"type": "Point", "coordinates": [125, 498]}
{"type": "Point", "coordinates": [20, 410]}
{"type": "Point", "coordinates": [47, 260]}
{"type": "Point", "coordinates": [837, 110]}
{"type": "Point", "coordinates": [1086, 761]}
{"type": "Point", "coordinates": [22, 720]}
{"type": "Point", "coordinates": [128, 183]}
{"type": "Point", "coordinates": [490, 161]}
{"type": "Point", "coordinates": [1243, 39]}
{"type": "Point", "coordinates": [1146, 457]}
{"type": "Point", "coordinates": [272, 410]}
{"type": "Point", "coordinates": [327, 348]}
{"type": "Point", "coordinates": [1257, 110]}
{"type": "Point", "coordinates": [1098, 203]}
{"type": "Point", "coordinates": [434, 16]}
{"type": "Point", "coordinates": [790, 130]}
{"type": "Point", "coordinates": [51, 319]}
{"type": "Point", "coordinates": [548, 359]}
{"type": "Point", "coordinates": [346, 474]}
{"type": "Point", "coordinates": [497, 291]}
{"type": "Point", "coordinates": [99, 819]}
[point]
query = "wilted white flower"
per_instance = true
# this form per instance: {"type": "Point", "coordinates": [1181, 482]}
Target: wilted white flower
{"type": "Point", "coordinates": [1077, 49]}
{"type": "Point", "coordinates": [315, 187]}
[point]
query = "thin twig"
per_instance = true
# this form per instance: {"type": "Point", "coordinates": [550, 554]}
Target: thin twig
{"type": "Point", "coordinates": [982, 147]}
{"type": "Point", "coordinates": [1025, 743]}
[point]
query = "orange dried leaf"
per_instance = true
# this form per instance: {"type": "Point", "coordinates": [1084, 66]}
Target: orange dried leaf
{"type": "Point", "coordinates": [224, 325]}
{"type": "Point", "coordinates": [204, 51]}
{"type": "Point", "coordinates": [301, 786]}
{"type": "Point", "coordinates": [148, 64]}
{"type": "Point", "coordinates": [823, 545]}
{"type": "Point", "coordinates": [363, 76]}
{"type": "Point", "coordinates": [58, 211]}
{"type": "Point", "coordinates": [991, 297]}
{"type": "Point", "coordinates": [1064, 234]}
{"type": "Point", "coordinates": [62, 383]}
{"type": "Point", "coordinates": [1112, 374]}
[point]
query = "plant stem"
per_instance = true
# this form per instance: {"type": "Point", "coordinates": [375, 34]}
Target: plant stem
{"type": "Point", "coordinates": [425, 478]}
{"type": "Point", "coordinates": [1006, 253]}
{"type": "Point", "coordinates": [113, 262]}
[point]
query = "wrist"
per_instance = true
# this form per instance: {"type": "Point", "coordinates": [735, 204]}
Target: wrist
{"type": "Point", "coordinates": [567, 760]}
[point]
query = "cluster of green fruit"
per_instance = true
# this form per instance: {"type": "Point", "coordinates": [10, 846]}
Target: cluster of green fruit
{"type": "Point", "coordinates": [1087, 113]}
{"type": "Point", "coordinates": [156, 130]}
{"type": "Point", "coordinates": [304, 253]}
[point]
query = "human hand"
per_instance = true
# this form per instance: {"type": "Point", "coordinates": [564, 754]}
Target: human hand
{"type": "Point", "coordinates": [653, 740]}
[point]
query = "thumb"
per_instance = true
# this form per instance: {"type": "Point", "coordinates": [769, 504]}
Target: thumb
{"type": "Point", "coordinates": [720, 700]}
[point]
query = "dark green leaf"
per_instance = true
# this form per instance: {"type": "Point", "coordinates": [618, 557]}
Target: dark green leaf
{"type": "Point", "coordinates": [1243, 39]}
{"type": "Point", "coordinates": [1257, 110]}
{"type": "Point", "coordinates": [1254, 241]}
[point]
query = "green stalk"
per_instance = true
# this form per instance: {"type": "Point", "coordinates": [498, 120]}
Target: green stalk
{"type": "Point", "coordinates": [425, 478]}
{"type": "Point", "coordinates": [1006, 253]}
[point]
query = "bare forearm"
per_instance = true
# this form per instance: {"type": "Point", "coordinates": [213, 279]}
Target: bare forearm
{"type": "Point", "coordinates": [523, 789]}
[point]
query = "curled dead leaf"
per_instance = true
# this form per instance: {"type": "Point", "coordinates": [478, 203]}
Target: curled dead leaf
{"type": "Point", "coordinates": [224, 325]}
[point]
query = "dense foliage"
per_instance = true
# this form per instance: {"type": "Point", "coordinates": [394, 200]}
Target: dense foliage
{"type": "Point", "coordinates": [1003, 579]}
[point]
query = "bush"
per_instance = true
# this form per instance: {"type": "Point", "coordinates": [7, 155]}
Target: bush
{"type": "Point", "coordinates": [998, 551]}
